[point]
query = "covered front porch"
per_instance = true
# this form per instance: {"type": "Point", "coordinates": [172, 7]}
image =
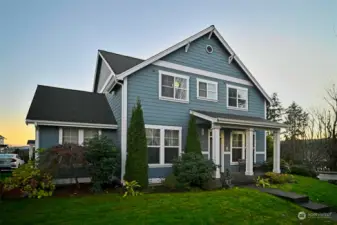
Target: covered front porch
{"type": "Point", "coordinates": [236, 142]}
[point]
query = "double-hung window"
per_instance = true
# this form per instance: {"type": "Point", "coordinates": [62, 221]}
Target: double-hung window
{"type": "Point", "coordinates": [207, 90]}
{"type": "Point", "coordinates": [163, 144]}
{"type": "Point", "coordinates": [70, 135]}
{"type": "Point", "coordinates": [173, 86]}
{"type": "Point", "coordinates": [237, 97]}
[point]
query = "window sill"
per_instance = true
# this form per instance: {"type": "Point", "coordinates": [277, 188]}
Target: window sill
{"type": "Point", "coordinates": [159, 165]}
{"type": "Point", "coordinates": [235, 108]}
{"type": "Point", "coordinates": [173, 100]}
{"type": "Point", "coordinates": [207, 99]}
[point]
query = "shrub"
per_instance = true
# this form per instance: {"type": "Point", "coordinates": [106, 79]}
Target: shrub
{"type": "Point", "coordinates": [172, 183]}
{"type": "Point", "coordinates": [303, 171]}
{"type": "Point", "coordinates": [103, 161]}
{"type": "Point", "coordinates": [276, 178]}
{"type": "Point", "coordinates": [68, 157]}
{"type": "Point", "coordinates": [131, 188]}
{"type": "Point", "coordinates": [192, 139]}
{"type": "Point", "coordinates": [193, 169]}
{"type": "Point", "coordinates": [262, 182]}
{"type": "Point", "coordinates": [136, 162]}
{"type": "Point", "coordinates": [31, 181]}
{"type": "Point", "coordinates": [284, 165]}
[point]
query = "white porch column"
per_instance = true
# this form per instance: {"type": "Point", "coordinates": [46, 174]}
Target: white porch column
{"type": "Point", "coordinates": [249, 152]}
{"type": "Point", "coordinates": [276, 160]}
{"type": "Point", "coordinates": [216, 148]}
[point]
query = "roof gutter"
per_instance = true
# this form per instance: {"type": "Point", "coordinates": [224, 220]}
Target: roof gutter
{"type": "Point", "coordinates": [70, 124]}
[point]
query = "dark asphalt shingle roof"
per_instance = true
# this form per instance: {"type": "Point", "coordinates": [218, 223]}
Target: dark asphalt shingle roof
{"type": "Point", "coordinates": [60, 104]}
{"type": "Point", "coordinates": [120, 63]}
{"type": "Point", "coordinates": [231, 116]}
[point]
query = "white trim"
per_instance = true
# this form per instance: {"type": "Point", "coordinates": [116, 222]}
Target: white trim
{"type": "Point", "coordinates": [254, 146]}
{"type": "Point", "coordinates": [60, 135]}
{"type": "Point", "coordinates": [237, 88]}
{"type": "Point", "coordinates": [185, 42]}
{"type": "Point", "coordinates": [231, 146]}
{"type": "Point", "coordinates": [124, 128]}
{"type": "Point", "coordinates": [99, 132]}
{"type": "Point", "coordinates": [187, 47]}
{"type": "Point", "coordinates": [37, 142]}
{"type": "Point", "coordinates": [240, 63]}
{"type": "Point", "coordinates": [162, 129]}
{"type": "Point", "coordinates": [216, 148]}
{"type": "Point", "coordinates": [112, 73]}
{"type": "Point", "coordinates": [276, 156]}
{"type": "Point", "coordinates": [222, 150]}
{"type": "Point", "coordinates": [249, 152]}
{"type": "Point", "coordinates": [259, 153]}
{"type": "Point", "coordinates": [187, 78]}
{"type": "Point", "coordinates": [209, 52]}
{"type": "Point", "coordinates": [203, 116]}
{"type": "Point", "coordinates": [208, 144]}
{"type": "Point", "coordinates": [204, 73]}
{"type": "Point", "coordinates": [164, 53]}
{"type": "Point", "coordinates": [80, 136]}
{"type": "Point", "coordinates": [207, 82]}
{"type": "Point", "coordinates": [71, 124]}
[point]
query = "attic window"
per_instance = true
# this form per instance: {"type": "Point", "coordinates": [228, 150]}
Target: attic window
{"type": "Point", "coordinates": [209, 49]}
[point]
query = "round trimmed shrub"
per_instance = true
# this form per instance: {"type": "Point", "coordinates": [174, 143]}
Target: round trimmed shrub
{"type": "Point", "coordinates": [193, 169]}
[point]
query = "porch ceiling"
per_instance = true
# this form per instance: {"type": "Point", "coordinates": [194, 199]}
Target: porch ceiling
{"type": "Point", "coordinates": [237, 120]}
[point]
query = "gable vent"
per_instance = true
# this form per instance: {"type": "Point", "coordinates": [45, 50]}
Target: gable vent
{"type": "Point", "coordinates": [209, 49]}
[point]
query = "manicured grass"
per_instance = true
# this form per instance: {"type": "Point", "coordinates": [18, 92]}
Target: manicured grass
{"type": "Point", "coordinates": [235, 206]}
{"type": "Point", "coordinates": [318, 191]}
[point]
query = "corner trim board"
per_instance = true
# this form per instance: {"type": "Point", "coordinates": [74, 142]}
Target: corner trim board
{"type": "Point", "coordinates": [124, 124]}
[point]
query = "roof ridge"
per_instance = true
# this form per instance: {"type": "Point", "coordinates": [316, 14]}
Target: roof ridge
{"type": "Point", "coordinates": [68, 89]}
{"type": "Point", "coordinates": [100, 50]}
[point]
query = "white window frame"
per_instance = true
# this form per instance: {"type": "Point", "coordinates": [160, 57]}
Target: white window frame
{"type": "Point", "coordinates": [162, 144]}
{"type": "Point", "coordinates": [209, 136]}
{"type": "Point", "coordinates": [161, 72]}
{"type": "Point", "coordinates": [207, 82]}
{"type": "Point", "coordinates": [237, 99]}
{"type": "Point", "coordinates": [243, 146]}
{"type": "Point", "coordinates": [80, 134]}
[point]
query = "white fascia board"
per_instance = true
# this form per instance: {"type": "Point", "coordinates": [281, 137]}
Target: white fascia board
{"type": "Point", "coordinates": [249, 74]}
{"type": "Point", "coordinates": [253, 123]}
{"type": "Point", "coordinates": [112, 73]}
{"type": "Point", "coordinates": [164, 53]}
{"type": "Point", "coordinates": [71, 124]}
{"type": "Point", "coordinates": [203, 116]}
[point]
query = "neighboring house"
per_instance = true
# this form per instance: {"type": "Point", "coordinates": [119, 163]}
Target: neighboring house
{"type": "Point", "coordinates": [200, 76]}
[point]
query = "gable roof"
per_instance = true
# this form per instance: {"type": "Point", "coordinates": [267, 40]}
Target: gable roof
{"type": "Point", "coordinates": [211, 31]}
{"type": "Point", "coordinates": [66, 105]}
{"type": "Point", "coordinates": [119, 63]}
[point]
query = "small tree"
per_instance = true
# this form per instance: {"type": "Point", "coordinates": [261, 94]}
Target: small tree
{"type": "Point", "coordinates": [67, 156]}
{"type": "Point", "coordinates": [103, 161]}
{"type": "Point", "coordinates": [192, 140]}
{"type": "Point", "coordinates": [136, 162]}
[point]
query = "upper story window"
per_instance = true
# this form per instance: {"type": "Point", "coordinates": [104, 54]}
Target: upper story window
{"type": "Point", "coordinates": [207, 90]}
{"type": "Point", "coordinates": [173, 86]}
{"type": "Point", "coordinates": [237, 97]}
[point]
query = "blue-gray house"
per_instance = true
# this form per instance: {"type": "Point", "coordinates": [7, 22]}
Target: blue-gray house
{"type": "Point", "coordinates": [200, 76]}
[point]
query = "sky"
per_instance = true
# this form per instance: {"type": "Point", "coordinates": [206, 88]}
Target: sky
{"type": "Point", "coordinates": [289, 46]}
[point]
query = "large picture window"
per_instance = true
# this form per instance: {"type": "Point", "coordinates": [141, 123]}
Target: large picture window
{"type": "Point", "coordinates": [173, 86]}
{"type": "Point", "coordinates": [237, 97]}
{"type": "Point", "coordinates": [163, 144]}
{"type": "Point", "coordinates": [207, 90]}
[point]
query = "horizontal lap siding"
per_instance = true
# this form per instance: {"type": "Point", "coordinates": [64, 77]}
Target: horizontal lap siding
{"type": "Point", "coordinates": [145, 85]}
{"type": "Point", "coordinates": [48, 136]}
{"type": "Point", "coordinates": [115, 104]}
{"type": "Point", "coordinates": [197, 57]}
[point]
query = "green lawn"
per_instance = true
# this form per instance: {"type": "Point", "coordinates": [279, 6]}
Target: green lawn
{"type": "Point", "coordinates": [235, 206]}
{"type": "Point", "coordinates": [318, 191]}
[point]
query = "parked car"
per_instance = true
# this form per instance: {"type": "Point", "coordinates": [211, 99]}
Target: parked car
{"type": "Point", "coordinates": [10, 161]}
